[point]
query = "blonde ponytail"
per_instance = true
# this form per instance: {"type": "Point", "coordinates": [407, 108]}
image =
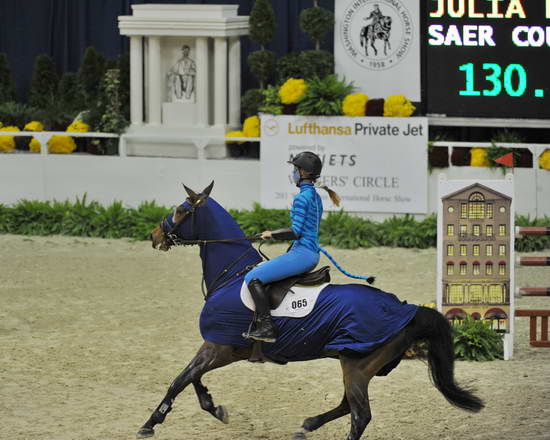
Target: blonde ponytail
{"type": "Point", "coordinates": [332, 194]}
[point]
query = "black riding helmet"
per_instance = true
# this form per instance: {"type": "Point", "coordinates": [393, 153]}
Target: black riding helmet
{"type": "Point", "coordinates": [309, 162]}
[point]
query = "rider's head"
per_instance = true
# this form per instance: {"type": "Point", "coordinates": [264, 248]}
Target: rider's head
{"type": "Point", "coordinates": [307, 166]}
{"type": "Point", "coordinates": [185, 49]}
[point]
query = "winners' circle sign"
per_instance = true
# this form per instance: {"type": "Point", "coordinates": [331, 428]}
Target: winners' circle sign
{"type": "Point", "coordinates": [376, 34]}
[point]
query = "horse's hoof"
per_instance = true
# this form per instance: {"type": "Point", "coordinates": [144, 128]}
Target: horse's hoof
{"type": "Point", "coordinates": [300, 435]}
{"type": "Point", "coordinates": [222, 414]}
{"type": "Point", "coordinates": [145, 433]}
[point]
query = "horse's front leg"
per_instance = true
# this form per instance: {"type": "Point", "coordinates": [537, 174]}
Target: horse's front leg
{"type": "Point", "coordinates": [312, 423]}
{"type": "Point", "coordinates": [209, 357]}
{"type": "Point", "coordinates": [373, 39]}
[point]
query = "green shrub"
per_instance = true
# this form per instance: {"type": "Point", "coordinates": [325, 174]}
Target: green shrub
{"type": "Point", "coordinates": [262, 22]}
{"type": "Point", "coordinates": [272, 101]}
{"type": "Point", "coordinates": [251, 102]}
{"type": "Point", "coordinates": [289, 66]}
{"type": "Point", "coordinates": [90, 75]}
{"type": "Point", "coordinates": [324, 96]}
{"type": "Point", "coordinates": [262, 65]}
{"type": "Point", "coordinates": [14, 113]}
{"type": "Point", "coordinates": [531, 243]}
{"type": "Point", "coordinates": [69, 93]}
{"type": "Point", "coordinates": [8, 91]}
{"type": "Point", "coordinates": [475, 340]}
{"type": "Point", "coordinates": [316, 22]}
{"type": "Point", "coordinates": [338, 229]}
{"type": "Point", "coordinates": [316, 63]}
{"type": "Point", "coordinates": [44, 82]}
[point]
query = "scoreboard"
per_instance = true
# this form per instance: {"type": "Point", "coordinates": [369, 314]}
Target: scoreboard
{"type": "Point", "coordinates": [487, 58]}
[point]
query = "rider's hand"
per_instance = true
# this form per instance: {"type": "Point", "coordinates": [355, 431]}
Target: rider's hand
{"type": "Point", "coordinates": [266, 235]}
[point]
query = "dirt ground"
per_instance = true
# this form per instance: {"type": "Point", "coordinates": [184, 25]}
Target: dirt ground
{"type": "Point", "coordinates": [93, 331]}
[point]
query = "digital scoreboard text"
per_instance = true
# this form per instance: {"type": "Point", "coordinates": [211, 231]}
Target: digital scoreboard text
{"type": "Point", "coordinates": [488, 58]}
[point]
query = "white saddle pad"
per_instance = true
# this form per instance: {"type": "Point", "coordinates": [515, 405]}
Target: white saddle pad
{"type": "Point", "coordinates": [298, 302]}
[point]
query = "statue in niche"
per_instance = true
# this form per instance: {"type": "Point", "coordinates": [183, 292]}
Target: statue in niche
{"type": "Point", "coordinates": [181, 78]}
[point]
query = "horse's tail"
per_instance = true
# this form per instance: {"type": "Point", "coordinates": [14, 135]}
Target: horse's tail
{"type": "Point", "coordinates": [436, 331]}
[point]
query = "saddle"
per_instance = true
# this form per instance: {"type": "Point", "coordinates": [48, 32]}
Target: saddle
{"type": "Point", "coordinates": [277, 292]}
{"type": "Point", "coordinates": [278, 289]}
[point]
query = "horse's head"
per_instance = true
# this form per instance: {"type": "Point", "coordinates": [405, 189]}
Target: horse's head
{"type": "Point", "coordinates": [176, 225]}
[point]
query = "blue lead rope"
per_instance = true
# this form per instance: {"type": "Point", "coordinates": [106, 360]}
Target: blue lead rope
{"type": "Point", "coordinates": [369, 280]}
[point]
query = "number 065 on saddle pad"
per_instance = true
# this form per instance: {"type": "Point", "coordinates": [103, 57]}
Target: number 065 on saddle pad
{"type": "Point", "coordinates": [298, 302]}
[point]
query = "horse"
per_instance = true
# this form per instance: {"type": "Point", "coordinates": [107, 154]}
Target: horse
{"type": "Point", "coordinates": [366, 329]}
{"type": "Point", "coordinates": [381, 30]}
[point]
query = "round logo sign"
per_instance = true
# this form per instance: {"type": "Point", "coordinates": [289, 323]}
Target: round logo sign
{"type": "Point", "coordinates": [377, 34]}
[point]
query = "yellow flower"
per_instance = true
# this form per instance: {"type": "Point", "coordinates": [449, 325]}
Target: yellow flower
{"type": "Point", "coordinates": [292, 91]}
{"type": "Point", "coordinates": [78, 127]}
{"type": "Point", "coordinates": [61, 144]}
{"type": "Point", "coordinates": [34, 126]}
{"type": "Point", "coordinates": [251, 126]}
{"type": "Point", "coordinates": [399, 106]}
{"type": "Point", "coordinates": [479, 157]}
{"type": "Point", "coordinates": [7, 143]}
{"type": "Point", "coordinates": [34, 146]}
{"type": "Point", "coordinates": [544, 159]}
{"type": "Point", "coordinates": [355, 104]}
{"type": "Point", "coordinates": [234, 134]}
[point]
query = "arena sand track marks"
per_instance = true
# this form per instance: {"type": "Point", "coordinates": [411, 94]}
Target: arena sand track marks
{"type": "Point", "coordinates": [93, 331]}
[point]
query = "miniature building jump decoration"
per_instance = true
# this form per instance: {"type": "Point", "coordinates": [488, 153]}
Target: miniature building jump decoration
{"type": "Point", "coordinates": [475, 250]}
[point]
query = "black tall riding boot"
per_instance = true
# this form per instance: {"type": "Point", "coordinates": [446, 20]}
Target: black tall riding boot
{"type": "Point", "coordinates": [265, 330]}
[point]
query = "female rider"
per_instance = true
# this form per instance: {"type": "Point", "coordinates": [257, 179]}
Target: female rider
{"type": "Point", "coordinates": [303, 255]}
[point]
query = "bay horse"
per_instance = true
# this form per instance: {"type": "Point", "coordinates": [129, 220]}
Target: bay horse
{"type": "Point", "coordinates": [366, 329]}
{"type": "Point", "coordinates": [381, 30]}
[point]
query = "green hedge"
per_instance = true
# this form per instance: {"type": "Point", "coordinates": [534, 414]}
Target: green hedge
{"type": "Point", "coordinates": [338, 229]}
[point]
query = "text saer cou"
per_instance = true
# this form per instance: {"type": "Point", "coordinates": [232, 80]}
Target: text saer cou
{"type": "Point", "coordinates": [483, 35]}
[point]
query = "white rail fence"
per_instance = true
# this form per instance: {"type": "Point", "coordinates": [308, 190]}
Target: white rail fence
{"type": "Point", "coordinates": [134, 179]}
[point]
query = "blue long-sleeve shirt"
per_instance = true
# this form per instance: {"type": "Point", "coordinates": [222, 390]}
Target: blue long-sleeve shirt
{"type": "Point", "coordinates": [305, 215]}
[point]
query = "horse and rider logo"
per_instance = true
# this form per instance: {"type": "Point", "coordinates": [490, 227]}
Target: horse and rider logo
{"type": "Point", "coordinates": [377, 34]}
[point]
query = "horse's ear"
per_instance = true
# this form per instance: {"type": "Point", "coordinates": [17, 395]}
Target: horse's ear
{"type": "Point", "coordinates": [206, 191]}
{"type": "Point", "coordinates": [193, 196]}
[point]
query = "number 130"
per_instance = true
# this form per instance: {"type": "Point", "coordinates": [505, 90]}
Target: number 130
{"type": "Point", "coordinates": [494, 77]}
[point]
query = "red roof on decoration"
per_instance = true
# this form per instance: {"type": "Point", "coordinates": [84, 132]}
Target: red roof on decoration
{"type": "Point", "coordinates": [463, 262]}
{"type": "Point", "coordinates": [455, 312]}
{"type": "Point", "coordinates": [502, 262]}
{"type": "Point", "coordinates": [476, 315]}
{"type": "Point", "coordinates": [475, 262]}
{"type": "Point", "coordinates": [496, 313]}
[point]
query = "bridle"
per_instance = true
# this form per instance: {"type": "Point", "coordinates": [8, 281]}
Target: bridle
{"type": "Point", "coordinates": [173, 239]}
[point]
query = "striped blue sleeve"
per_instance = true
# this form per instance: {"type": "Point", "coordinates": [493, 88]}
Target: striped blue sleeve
{"type": "Point", "coordinates": [299, 213]}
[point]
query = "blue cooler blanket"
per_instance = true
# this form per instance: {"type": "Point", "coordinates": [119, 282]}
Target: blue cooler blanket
{"type": "Point", "coordinates": [351, 318]}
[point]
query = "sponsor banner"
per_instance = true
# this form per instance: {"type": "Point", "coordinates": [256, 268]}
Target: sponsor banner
{"type": "Point", "coordinates": [377, 45]}
{"type": "Point", "coordinates": [374, 164]}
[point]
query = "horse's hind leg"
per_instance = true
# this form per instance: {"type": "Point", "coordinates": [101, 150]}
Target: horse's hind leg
{"type": "Point", "coordinates": [312, 423]}
{"type": "Point", "coordinates": [206, 402]}
{"type": "Point", "coordinates": [209, 357]}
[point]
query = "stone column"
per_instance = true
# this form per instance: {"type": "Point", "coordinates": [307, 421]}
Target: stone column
{"type": "Point", "coordinates": [136, 79]}
{"type": "Point", "coordinates": [234, 81]}
{"type": "Point", "coordinates": [154, 82]}
{"type": "Point", "coordinates": [203, 98]}
{"type": "Point", "coordinates": [220, 81]}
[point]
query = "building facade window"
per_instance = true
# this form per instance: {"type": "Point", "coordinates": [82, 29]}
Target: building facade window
{"type": "Point", "coordinates": [463, 250]}
{"type": "Point", "coordinates": [450, 269]}
{"type": "Point", "coordinates": [450, 250]}
{"type": "Point", "coordinates": [489, 210]}
{"type": "Point", "coordinates": [502, 268]}
{"type": "Point", "coordinates": [456, 294]}
{"type": "Point", "coordinates": [489, 230]}
{"type": "Point", "coordinates": [496, 294]}
{"type": "Point", "coordinates": [476, 231]}
{"type": "Point", "coordinates": [476, 206]}
{"type": "Point", "coordinates": [450, 230]}
{"type": "Point", "coordinates": [489, 250]}
{"type": "Point", "coordinates": [462, 268]}
{"type": "Point", "coordinates": [463, 210]}
{"type": "Point", "coordinates": [475, 250]}
{"type": "Point", "coordinates": [489, 269]}
{"type": "Point", "coordinates": [502, 250]}
{"type": "Point", "coordinates": [476, 293]}
{"type": "Point", "coordinates": [475, 269]}
{"type": "Point", "coordinates": [463, 230]}
{"type": "Point", "coordinates": [502, 230]}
